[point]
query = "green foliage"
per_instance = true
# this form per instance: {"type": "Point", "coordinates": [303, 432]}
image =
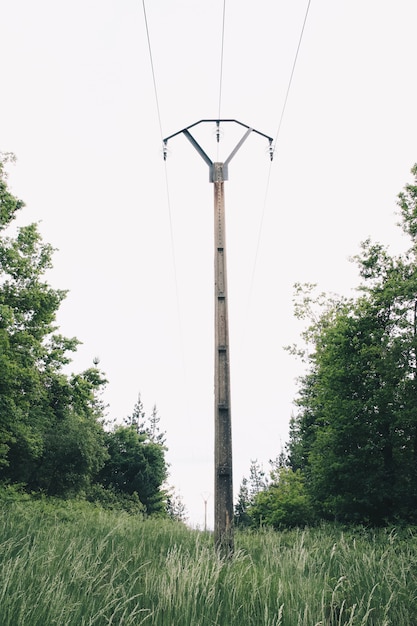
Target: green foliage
{"type": "Point", "coordinates": [135, 465]}
{"type": "Point", "coordinates": [112, 500]}
{"type": "Point", "coordinates": [407, 201]}
{"type": "Point", "coordinates": [355, 437]}
{"type": "Point", "coordinates": [76, 564]}
{"type": "Point", "coordinates": [285, 503]}
{"type": "Point", "coordinates": [148, 426]}
{"type": "Point", "coordinates": [175, 506]}
{"type": "Point", "coordinates": [74, 452]}
{"type": "Point", "coordinates": [9, 204]}
{"type": "Point", "coordinates": [50, 437]}
{"type": "Point", "coordinates": [278, 501]}
{"type": "Point", "coordinates": [242, 518]}
{"type": "Point", "coordinates": [248, 491]}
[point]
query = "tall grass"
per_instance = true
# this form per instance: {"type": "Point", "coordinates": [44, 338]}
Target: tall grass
{"type": "Point", "coordinates": [76, 565]}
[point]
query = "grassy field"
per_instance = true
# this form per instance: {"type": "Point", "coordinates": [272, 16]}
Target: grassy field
{"type": "Point", "coordinates": [73, 564]}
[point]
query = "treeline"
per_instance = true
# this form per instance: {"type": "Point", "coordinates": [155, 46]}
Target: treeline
{"type": "Point", "coordinates": [352, 452]}
{"type": "Point", "coordinates": [53, 437]}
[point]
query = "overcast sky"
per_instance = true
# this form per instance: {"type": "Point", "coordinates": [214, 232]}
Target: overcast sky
{"type": "Point", "coordinates": [134, 236]}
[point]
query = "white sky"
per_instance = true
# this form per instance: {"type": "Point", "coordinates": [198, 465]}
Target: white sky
{"type": "Point", "coordinates": [78, 110]}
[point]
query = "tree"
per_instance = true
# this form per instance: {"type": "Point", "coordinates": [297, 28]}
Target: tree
{"type": "Point", "coordinates": [149, 426]}
{"type": "Point", "coordinates": [242, 517]}
{"type": "Point", "coordinates": [248, 491]}
{"type": "Point", "coordinates": [175, 506]}
{"type": "Point", "coordinates": [284, 503]}
{"type": "Point", "coordinates": [153, 430]}
{"type": "Point", "coordinates": [355, 437]}
{"type": "Point", "coordinates": [135, 465]}
{"type": "Point", "coordinates": [74, 442]}
{"type": "Point", "coordinates": [43, 413]}
{"type": "Point", "coordinates": [138, 418]}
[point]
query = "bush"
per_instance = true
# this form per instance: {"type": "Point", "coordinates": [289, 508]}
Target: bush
{"type": "Point", "coordinates": [285, 503]}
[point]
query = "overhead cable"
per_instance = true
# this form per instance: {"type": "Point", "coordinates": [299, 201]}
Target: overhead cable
{"type": "Point", "coordinates": [152, 68]}
{"type": "Point", "coordinates": [292, 72]}
{"type": "Point", "coordinates": [221, 58]}
{"type": "Point", "coordinates": [174, 264]}
{"type": "Point", "coordinates": [275, 143]}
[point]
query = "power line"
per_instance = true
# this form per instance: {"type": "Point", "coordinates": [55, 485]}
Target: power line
{"type": "Point", "coordinates": [275, 143]}
{"type": "Point", "coordinates": [219, 112]}
{"type": "Point", "coordinates": [292, 72]}
{"type": "Point", "coordinates": [174, 264]}
{"type": "Point", "coordinates": [221, 58]}
{"type": "Point", "coordinates": [152, 68]}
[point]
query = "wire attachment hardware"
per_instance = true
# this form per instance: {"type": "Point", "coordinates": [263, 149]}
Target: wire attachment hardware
{"type": "Point", "coordinates": [165, 150]}
{"type": "Point", "coordinates": [206, 158]}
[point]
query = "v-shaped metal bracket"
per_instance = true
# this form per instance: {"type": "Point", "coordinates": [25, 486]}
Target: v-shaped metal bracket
{"type": "Point", "coordinates": [224, 170]}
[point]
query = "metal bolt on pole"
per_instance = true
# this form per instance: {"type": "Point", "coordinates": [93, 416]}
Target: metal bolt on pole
{"type": "Point", "coordinates": [223, 469]}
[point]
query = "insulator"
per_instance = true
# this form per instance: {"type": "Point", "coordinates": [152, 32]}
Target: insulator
{"type": "Point", "coordinates": [217, 132]}
{"type": "Point", "coordinates": [165, 151]}
{"type": "Point", "coordinates": [271, 151]}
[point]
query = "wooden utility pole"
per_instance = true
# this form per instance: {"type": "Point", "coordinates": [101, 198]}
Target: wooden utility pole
{"type": "Point", "coordinates": [223, 472]}
{"type": "Point", "coordinates": [223, 467]}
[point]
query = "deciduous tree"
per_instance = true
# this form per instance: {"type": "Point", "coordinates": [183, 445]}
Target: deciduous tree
{"type": "Point", "coordinates": [50, 438]}
{"type": "Point", "coordinates": [355, 436]}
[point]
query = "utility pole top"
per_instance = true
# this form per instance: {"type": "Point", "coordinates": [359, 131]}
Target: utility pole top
{"type": "Point", "coordinates": [186, 131]}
